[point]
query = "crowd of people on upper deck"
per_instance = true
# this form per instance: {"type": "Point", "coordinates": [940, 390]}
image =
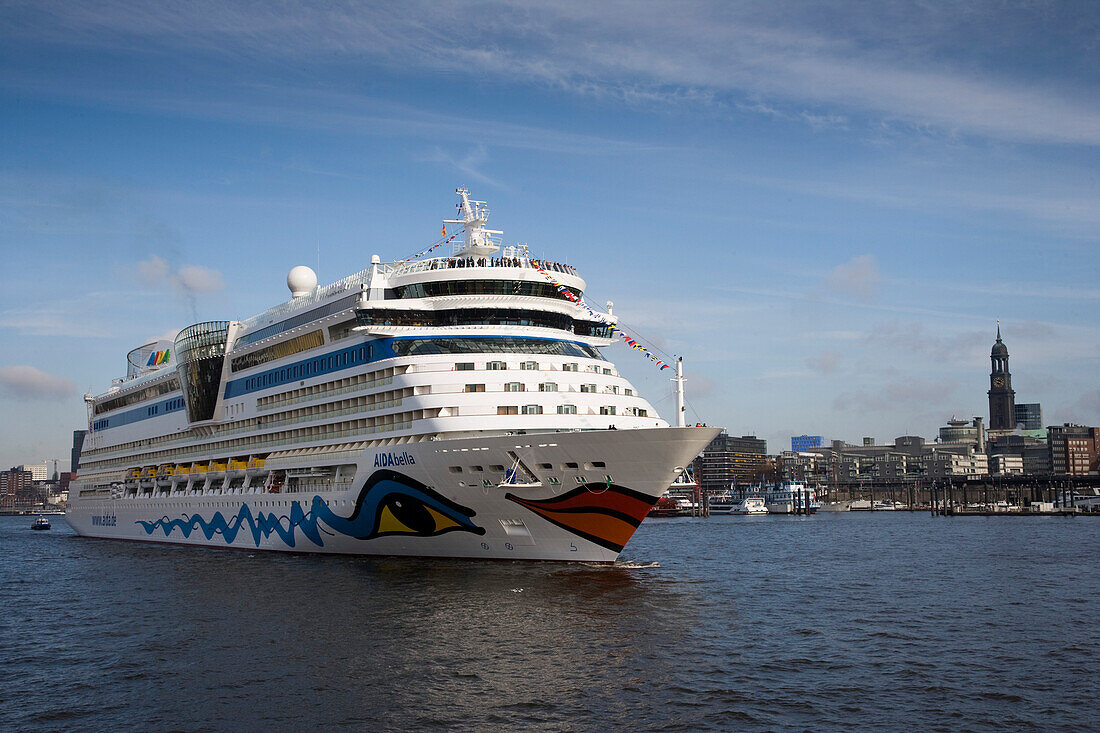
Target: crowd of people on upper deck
{"type": "Point", "coordinates": [445, 263]}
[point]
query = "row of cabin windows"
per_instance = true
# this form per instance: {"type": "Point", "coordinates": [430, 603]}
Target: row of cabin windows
{"type": "Point", "coordinates": [564, 410]}
{"type": "Point", "coordinates": [173, 404]}
{"type": "Point", "coordinates": [310, 368]}
{"type": "Point", "coordinates": [548, 387]}
{"type": "Point", "coordinates": [572, 366]}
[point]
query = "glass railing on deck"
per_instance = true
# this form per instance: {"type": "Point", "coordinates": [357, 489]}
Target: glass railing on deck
{"type": "Point", "coordinates": [453, 263]}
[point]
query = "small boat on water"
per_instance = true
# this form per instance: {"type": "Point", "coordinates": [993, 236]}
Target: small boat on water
{"type": "Point", "coordinates": [671, 506]}
{"type": "Point", "coordinates": [40, 523]}
{"type": "Point", "coordinates": [835, 506]}
{"type": "Point", "coordinates": [751, 505]}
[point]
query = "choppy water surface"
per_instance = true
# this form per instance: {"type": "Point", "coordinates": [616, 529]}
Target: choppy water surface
{"type": "Point", "coordinates": [886, 621]}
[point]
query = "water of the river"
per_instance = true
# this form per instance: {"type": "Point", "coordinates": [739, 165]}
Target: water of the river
{"type": "Point", "coordinates": [890, 621]}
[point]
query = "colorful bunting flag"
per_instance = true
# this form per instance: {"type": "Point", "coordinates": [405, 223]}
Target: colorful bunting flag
{"type": "Point", "coordinates": [598, 316]}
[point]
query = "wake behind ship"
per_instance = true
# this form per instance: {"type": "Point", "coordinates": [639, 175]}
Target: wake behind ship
{"type": "Point", "coordinates": [441, 406]}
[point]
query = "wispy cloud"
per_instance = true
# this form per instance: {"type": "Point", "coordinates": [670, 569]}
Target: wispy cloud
{"type": "Point", "coordinates": [196, 279]}
{"type": "Point", "coordinates": [25, 382]}
{"type": "Point", "coordinates": [470, 163]}
{"type": "Point", "coordinates": [859, 276]}
{"type": "Point", "coordinates": [899, 69]}
{"type": "Point", "coordinates": [188, 281]}
{"type": "Point", "coordinates": [897, 396]}
{"type": "Point", "coordinates": [824, 363]}
{"type": "Point", "coordinates": [911, 337]}
{"type": "Point", "coordinates": [51, 321]}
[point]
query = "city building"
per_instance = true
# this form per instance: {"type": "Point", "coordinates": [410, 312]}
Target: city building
{"type": "Point", "coordinates": [1073, 449]}
{"type": "Point", "coordinates": [1006, 465]}
{"type": "Point", "coordinates": [16, 487]}
{"type": "Point", "coordinates": [1002, 398]}
{"type": "Point", "coordinates": [964, 432]}
{"type": "Point", "coordinates": [38, 472]}
{"type": "Point", "coordinates": [1033, 451]}
{"type": "Point", "coordinates": [800, 443]}
{"type": "Point", "coordinates": [728, 460]}
{"type": "Point", "coordinates": [803, 466]}
{"type": "Point", "coordinates": [1029, 416]}
{"type": "Point", "coordinates": [78, 445]}
{"type": "Point", "coordinates": [909, 458]}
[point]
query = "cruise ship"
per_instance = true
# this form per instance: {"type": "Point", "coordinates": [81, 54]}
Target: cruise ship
{"type": "Point", "coordinates": [455, 404]}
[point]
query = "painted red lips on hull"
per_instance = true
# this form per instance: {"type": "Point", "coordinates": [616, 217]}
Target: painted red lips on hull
{"type": "Point", "coordinates": [606, 514]}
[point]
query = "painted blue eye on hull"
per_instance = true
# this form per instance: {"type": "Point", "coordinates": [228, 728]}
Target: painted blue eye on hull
{"type": "Point", "coordinates": [389, 503]}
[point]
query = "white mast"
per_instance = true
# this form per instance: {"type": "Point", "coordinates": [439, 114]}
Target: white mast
{"type": "Point", "coordinates": [679, 379]}
{"type": "Point", "coordinates": [479, 241]}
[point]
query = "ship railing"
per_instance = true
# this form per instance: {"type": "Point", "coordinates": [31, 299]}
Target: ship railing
{"type": "Point", "coordinates": [332, 413]}
{"type": "Point", "coordinates": [298, 441]}
{"type": "Point", "coordinates": [328, 393]}
{"type": "Point", "coordinates": [457, 263]}
{"type": "Point", "coordinates": [318, 295]}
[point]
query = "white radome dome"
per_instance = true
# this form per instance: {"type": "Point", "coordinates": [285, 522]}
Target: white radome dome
{"type": "Point", "coordinates": [302, 281]}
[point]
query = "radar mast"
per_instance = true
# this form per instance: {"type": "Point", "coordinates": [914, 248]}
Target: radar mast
{"type": "Point", "coordinates": [479, 241]}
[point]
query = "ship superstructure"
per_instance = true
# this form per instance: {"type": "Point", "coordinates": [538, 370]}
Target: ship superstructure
{"type": "Point", "coordinates": [455, 406]}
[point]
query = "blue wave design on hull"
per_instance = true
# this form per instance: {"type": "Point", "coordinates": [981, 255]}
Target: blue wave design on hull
{"type": "Point", "coordinates": [389, 503]}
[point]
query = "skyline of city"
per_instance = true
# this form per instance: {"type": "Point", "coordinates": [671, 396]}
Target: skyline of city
{"type": "Point", "coordinates": [825, 212]}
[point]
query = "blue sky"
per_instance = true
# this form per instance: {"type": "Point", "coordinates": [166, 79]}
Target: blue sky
{"type": "Point", "coordinates": [823, 207]}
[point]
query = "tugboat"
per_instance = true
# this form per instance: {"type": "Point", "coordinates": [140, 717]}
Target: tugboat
{"type": "Point", "coordinates": [40, 523]}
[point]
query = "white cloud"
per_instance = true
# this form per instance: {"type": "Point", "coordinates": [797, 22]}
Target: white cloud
{"type": "Point", "coordinates": [197, 279]}
{"type": "Point", "coordinates": [859, 276]}
{"type": "Point", "coordinates": [188, 280]}
{"type": "Point", "coordinates": [24, 382]}
{"type": "Point", "coordinates": [152, 270]}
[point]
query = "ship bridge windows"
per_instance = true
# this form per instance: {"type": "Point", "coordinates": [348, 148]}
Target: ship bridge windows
{"type": "Point", "coordinates": [504, 345]}
{"type": "Point", "coordinates": [481, 287]}
{"type": "Point", "coordinates": [386, 317]}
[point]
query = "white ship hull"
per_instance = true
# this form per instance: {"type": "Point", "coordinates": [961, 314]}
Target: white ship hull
{"type": "Point", "coordinates": [428, 499]}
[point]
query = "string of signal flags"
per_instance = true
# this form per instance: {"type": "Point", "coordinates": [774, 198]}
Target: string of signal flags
{"type": "Point", "coordinates": [632, 343]}
{"type": "Point", "coordinates": [440, 243]}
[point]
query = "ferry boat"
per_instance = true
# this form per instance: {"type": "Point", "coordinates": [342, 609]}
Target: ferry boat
{"type": "Point", "coordinates": [454, 406]}
{"type": "Point", "coordinates": [789, 497]}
